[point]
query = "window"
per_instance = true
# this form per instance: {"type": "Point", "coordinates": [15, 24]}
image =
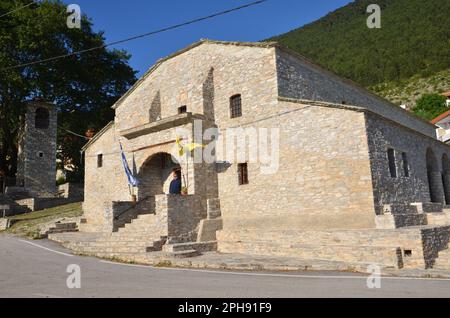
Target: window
{"type": "Point", "coordinates": [42, 118]}
{"type": "Point", "coordinates": [392, 165]}
{"type": "Point", "coordinates": [243, 173]}
{"type": "Point", "coordinates": [182, 110]}
{"type": "Point", "coordinates": [99, 161]}
{"type": "Point", "coordinates": [40, 154]}
{"type": "Point", "coordinates": [405, 164]}
{"type": "Point", "coordinates": [236, 106]}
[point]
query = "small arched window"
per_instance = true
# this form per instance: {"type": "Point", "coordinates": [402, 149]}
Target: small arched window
{"type": "Point", "coordinates": [42, 118]}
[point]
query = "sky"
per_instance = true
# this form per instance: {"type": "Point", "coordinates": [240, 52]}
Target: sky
{"type": "Point", "coordinates": [125, 18]}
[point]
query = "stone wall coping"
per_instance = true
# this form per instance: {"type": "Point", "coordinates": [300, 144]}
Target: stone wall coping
{"type": "Point", "coordinates": [163, 124]}
{"type": "Point", "coordinates": [358, 109]}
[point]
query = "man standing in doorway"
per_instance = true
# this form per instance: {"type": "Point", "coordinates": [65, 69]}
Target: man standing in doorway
{"type": "Point", "coordinates": [175, 185]}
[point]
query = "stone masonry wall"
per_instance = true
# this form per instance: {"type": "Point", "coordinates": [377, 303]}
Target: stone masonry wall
{"type": "Point", "coordinates": [302, 80]}
{"type": "Point", "coordinates": [402, 190]}
{"type": "Point", "coordinates": [323, 180]}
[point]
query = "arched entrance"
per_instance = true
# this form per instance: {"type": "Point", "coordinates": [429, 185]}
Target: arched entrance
{"type": "Point", "coordinates": [155, 175]}
{"type": "Point", "coordinates": [434, 178]}
{"type": "Point", "coordinates": [446, 178]}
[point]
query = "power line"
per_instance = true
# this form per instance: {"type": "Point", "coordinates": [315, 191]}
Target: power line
{"type": "Point", "coordinates": [137, 36]}
{"type": "Point", "coordinates": [75, 134]}
{"type": "Point", "coordinates": [20, 8]}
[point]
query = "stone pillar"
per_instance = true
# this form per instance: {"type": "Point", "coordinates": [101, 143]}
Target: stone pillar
{"type": "Point", "coordinates": [436, 187]}
{"type": "Point", "coordinates": [446, 183]}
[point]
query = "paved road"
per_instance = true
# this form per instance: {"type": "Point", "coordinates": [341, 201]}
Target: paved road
{"type": "Point", "coordinates": [38, 270]}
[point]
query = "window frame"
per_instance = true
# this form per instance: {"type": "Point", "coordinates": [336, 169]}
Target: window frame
{"type": "Point", "coordinates": [41, 118]}
{"type": "Point", "coordinates": [235, 109]}
{"type": "Point", "coordinates": [405, 163]}
{"type": "Point", "coordinates": [99, 160]}
{"type": "Point", "coordinates": [243, 178]}
{"type": "Point", "coordinates": [182, 110]}
{"type": "Point", "coordinates": [392, 162]}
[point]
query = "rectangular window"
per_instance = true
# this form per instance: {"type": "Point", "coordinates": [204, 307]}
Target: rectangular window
{"type": "Point", "coordinates": [392, 164]}
{"type": "Point", "coordinates": [236, 106]}
{"type": "Point", "coordinates": [99, 161]}
{"type": "Point", "coordinates": [405, 164]}
{"type": "Point", "coordinates": [182, 110]}
{"type": "Point", "coordinates": [243, 173]}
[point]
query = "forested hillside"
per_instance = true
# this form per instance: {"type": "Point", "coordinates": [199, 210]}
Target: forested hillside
{"type": "Point", "coordinates": [413, 41]}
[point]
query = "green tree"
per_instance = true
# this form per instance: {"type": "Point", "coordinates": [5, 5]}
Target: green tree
{"type": "Point", "coordinates": [429, 106]}
{"type": "Point", "coordinates": [83, 87]}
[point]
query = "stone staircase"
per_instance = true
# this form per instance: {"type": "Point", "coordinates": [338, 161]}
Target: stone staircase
{"type": "Point", "coordinates": [409, 247]}
{"type": "Point", "coordinates": [133, 240]}
{"type": "Point", "coordinates": [19, 206]}
{"type": "Point", "coordinates": [421, 242]}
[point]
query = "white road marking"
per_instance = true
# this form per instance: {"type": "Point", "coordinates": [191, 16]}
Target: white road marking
{"type": "Point", "coordinates": [45, 248]}
{"type": "Point", "coordinates": [271, 275]}
{"type": "Point", "coordinates": [48, 296]}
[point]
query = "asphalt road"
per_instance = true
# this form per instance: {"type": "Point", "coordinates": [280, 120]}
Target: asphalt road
{"type": "Point", "coordinates": [38, 269]}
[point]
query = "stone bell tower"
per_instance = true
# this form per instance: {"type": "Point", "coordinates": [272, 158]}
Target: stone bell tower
{"type": "Point", "coordinates": [36, 166]}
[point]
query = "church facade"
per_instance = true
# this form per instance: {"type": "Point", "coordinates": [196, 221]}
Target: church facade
{"type": "Point", "coordinates": [352, 176]}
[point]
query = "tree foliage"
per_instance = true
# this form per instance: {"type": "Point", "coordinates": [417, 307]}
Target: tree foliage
{"type": "Point", "coordinates": [413, 39]}
{"type": "Point", "coordinates": [83, 87]}
{"type": "Point", "coordinates": [430, 106]}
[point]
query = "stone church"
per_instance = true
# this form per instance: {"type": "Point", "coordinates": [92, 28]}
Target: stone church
{"type": "Point", "coordinates": [359, 180]}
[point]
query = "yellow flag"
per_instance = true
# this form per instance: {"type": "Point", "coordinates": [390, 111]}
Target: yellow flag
{"type": "Point", "coordinates": [193, 146]}
{"type": "Point", "coordinates": [180, 147]}
{"type": "Point", "coordinates": [187, 148]}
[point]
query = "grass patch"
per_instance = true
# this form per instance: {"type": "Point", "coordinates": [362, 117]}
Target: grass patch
{"type": "Point", "coordinates": [29, 225]}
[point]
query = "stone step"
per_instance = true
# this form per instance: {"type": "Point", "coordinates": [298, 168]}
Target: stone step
{"type": "Point", "coordinates": [124, 257]}
{"type": "Point", "coordinates": [200, 247]}
{"type": "Point", "coordinates": [112, 244]}
{"type": "Point", "coordinates": [66, 225]}
{"type": "Point", "coordinates": [143, 230]}
{"type": "Point", "coordinates": [131, 237]}
{"type": "Point", "coordinates": [443, 261]}
{"type": "Point", "coordinates": [438, 219]}
{"type": "Point", "coordinates": [56, 230]}
{"type": "Point", "coordinates": [183, 254]}
{"type": "Point", "coordinates": [73, 237]}
{"type": "Point", "coordinates": [390, 256]}
{"type": "Point", "coordinates": [102, 249]}
{"type": "Point", "coordinates": [157, 246]}
{"type": "Point", "coordinates": [405, 238]}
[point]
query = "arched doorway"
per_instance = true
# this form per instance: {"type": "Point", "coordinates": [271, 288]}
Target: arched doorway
{"type": "Point", "coordinates": [155, 175]}
{"type": "Point", "coordinates": [446, 178]}
{"type": "Point", "coordinates": [434, 178]}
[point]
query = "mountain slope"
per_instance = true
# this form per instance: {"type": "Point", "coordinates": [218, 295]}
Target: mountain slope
{"type": "Point", "coordinates": [414, 40]}
{"type": "Point", "coordinates": [409, 91]}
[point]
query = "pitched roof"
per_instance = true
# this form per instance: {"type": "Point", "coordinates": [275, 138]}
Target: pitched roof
{"type": "Point", "coordinates": [260, 45]}
{"type": "Point", "coordinates": [440, 117]}
{"type": "Point", "coordinates": [188, 48]}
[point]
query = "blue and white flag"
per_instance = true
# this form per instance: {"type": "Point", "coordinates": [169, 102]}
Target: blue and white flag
{"type": "Point", "coordinates": [132, 180]}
